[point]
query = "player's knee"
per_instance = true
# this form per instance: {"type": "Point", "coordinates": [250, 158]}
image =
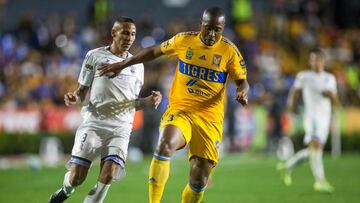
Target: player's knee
{"type": "Point", "coordinates": [166, 148]}
{"type": "Point", "coordinates": [315, 144]}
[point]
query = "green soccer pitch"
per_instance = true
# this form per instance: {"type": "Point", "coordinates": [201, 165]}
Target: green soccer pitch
{"type": "Point", "coordinates": [238, 178]}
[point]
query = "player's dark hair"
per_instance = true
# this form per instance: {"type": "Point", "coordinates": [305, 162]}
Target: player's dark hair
{"type": "Point", "coordinates": [215, 12]}
{"type": "Point", "coordinates": [125, 19]}
{"type": "Point", "coordinates": [318, 52]}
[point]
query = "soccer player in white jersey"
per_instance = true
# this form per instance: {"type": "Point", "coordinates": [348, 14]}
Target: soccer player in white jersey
{"type": "Point", "coordinates": [108, 116]}
{"type": "Point", "coordinates": [318, 89]}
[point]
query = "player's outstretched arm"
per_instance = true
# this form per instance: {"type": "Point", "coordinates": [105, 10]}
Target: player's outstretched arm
{"type": "Point", "coordinates": [242, 91]}
{"type": "Point", "coordinates": [153, 100]}
{"type": "Point", "coordinates": [144, 55]}
{"type": "Point", "coordinates": [76, 97]}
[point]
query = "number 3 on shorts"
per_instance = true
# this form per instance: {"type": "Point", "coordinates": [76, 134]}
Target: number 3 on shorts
{"type": "Point", "coordinates": [171, 118]}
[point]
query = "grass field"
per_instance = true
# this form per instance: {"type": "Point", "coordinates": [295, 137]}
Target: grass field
{"type": "Point", "coordinates": [238, 178]}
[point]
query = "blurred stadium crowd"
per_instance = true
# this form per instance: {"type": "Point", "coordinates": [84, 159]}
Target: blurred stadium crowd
{"type": "Point", "coordinates": [40, 58]}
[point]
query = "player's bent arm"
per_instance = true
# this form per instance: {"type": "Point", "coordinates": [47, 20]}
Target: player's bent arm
{"type": "Point", "coordinates": [333, 97]}
{"type": "Point", "coordinates": [294, 94]}
{"type": "Point", "coordinates": [76, 97]}
{"type": "Point", "coordinates": [81, 92]}
{"type": "Point", "coordinates": [242, 85]}
{"type": "Point", "coordinates": [242, 91]}
{"type": "Point", "coordinates": [153, 100]}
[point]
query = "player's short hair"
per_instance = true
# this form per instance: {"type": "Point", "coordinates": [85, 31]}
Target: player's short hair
{"type": "Point", "coordinates": [318, 52]}
{"type": "Point", "coordinates": [214, 12]}
{"type": "Point", "coordinates": [124, 19]}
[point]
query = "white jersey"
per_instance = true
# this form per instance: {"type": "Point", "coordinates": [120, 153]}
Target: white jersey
{"type": "Point", "coordinates": [111, 101]}
{"type": "Point", "coordinates": [312, 85]}
{"type": "Point", "coordinates": [317, 107]}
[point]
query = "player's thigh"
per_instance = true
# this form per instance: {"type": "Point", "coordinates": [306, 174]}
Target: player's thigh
{"type": "Point", "coordinates": [206, 139]}
{"type": "Point", "coordinates": [87, 142]}
{"type": "Point", "coordinates": [175, 131]}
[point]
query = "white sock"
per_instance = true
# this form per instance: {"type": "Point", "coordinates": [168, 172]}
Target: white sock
{"type": "Point", "coordinates": [299, 156]}
{"type": "Point", "coordinates": [316, 164]}
{"type": "Point", "coordinates": [97, 194]}
{"type": "Point", "coordinates": [68, 188]}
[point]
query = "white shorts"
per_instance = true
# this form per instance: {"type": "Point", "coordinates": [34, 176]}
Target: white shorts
{"type": "Point", "coordinates": [108, 142]}
{"type": "Point", "coordinates": [316, 129]}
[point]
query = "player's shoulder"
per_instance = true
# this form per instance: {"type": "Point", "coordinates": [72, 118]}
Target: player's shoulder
{"type": "Point", "coordinates": [305, 73]}
{"type": "Point", "coordinates": [225, 41]}
{"type": "Point", "coordinates": [99, 50]}
{"type": "Point", "coordinates": [187, 34]}
{"type": "Point", "coordinates": [328, 74]}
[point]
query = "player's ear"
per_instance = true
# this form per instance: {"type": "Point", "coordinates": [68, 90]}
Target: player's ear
{"type": "Point", "coordinates": [113, 32]}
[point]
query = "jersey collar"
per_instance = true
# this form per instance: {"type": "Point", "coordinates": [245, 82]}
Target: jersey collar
{"type": "Point", "coordinates": [209, 47]}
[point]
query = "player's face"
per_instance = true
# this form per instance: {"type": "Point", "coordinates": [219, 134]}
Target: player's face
{"type": "Point", "coordinates": [316, 62]}
{"type": "Point", "coordinates": [124, 36]}
{"type": "Point", "coordinates": [211, 30]}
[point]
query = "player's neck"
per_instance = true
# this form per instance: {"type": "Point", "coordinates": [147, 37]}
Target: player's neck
{"type": "Point", "coordinates": [118, 52]}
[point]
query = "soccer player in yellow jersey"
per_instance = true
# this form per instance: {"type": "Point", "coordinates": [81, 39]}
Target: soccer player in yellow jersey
{"type": "Point", "coordinates": [195, 113]}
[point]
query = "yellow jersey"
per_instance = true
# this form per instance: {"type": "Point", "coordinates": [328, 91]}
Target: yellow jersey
{"type": "Point", "coordinates": [199, 84]}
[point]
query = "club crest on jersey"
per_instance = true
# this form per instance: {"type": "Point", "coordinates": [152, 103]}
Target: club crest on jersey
{"type": "Point", "coordinates": [216, 60]}
{"type": "Point", "coordinates": [189, 53]}
{"type": "Point", "coordinates": [132, 69]}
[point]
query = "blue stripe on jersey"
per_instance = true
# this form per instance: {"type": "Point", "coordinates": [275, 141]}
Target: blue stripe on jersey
{"type": "Point", "coordinates": [202, 72]}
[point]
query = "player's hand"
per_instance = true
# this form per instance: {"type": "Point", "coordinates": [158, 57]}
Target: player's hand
{"type": "Point", "coordinates": [71, 98]}
{"type": "Point", "coordinates": [327, 93]}
{"type": "Point", "coordinates": [242, 96]}
{"type": "Point", "coordinates": [111, 70]}
{"type": "Point", "coordinates": [155, 98]}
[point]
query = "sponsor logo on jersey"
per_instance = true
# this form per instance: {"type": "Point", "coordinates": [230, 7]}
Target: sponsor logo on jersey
{"type": "Point", "coordinates": [202, 58]}
{"type": "Point", "coordinates": [191, 82]}
{"type": "Point", "coordinates": [216, 60]}
{"type": "Point", "coordinates": [89, 67]}
{"type": "Point", "coordinates": [202, 72]}
{"type": "Point", "coordinates": [198, 92]}
{"type": "Point", "coordinates": [189, 53]}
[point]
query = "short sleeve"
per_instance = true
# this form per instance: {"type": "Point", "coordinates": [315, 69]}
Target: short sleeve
{"type": "Point", "coordinates": [168, 47]}
{"type": "Point", "coordinates": [87, 70]}
{"type": "Point", "coordinates": [237, 66]}
{"type": "Point", "coordinates": [299, 81]}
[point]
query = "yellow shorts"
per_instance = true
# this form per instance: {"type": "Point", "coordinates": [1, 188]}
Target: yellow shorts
{"type": "Point", "coordinates": [203, 136]}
